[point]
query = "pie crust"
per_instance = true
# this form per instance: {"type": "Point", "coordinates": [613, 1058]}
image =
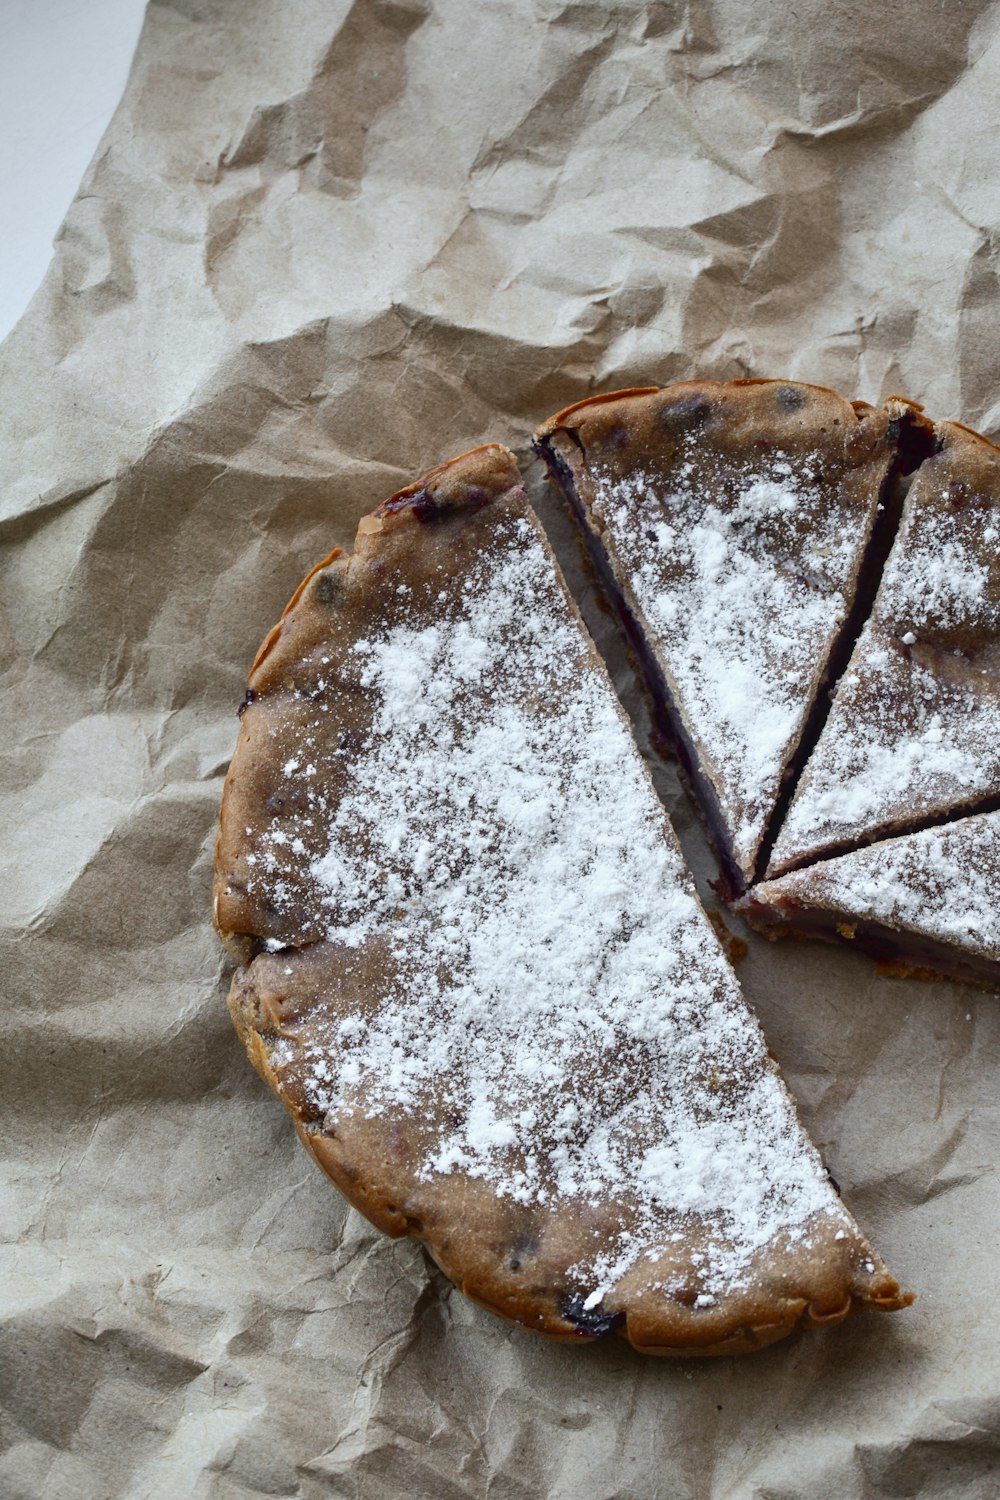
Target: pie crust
{"type": "Point", "coordinates": [713, 515]}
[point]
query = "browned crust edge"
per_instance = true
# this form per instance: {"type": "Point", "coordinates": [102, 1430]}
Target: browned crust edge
{"type": "Point", "coordinates": [478, 467]}
{"type": "Point", "coordinates": [643, 393]}
{"type": "Point", "coordinates": [969, 432]}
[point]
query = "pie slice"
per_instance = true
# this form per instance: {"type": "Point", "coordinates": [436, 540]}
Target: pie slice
{"type": "Point", "coordinates": [922, 903]}
{"type": "Point", "coordinates": [473, 964]}
{"type": "Point", "coordinates": [734, 525]}
{"type": "Point", "coordinates": [913, 736]}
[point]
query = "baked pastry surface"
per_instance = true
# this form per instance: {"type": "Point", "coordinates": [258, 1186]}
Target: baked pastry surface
{"type": "Point", "coordinates": [922, 903]}
{"type": "Point", "coordinates": [913, 735]}
{"type": "Point", "coordinates": [473, 965]}
{"type": "Point", "coordinates": [733, 523]}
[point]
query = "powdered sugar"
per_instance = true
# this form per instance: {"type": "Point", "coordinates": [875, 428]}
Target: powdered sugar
{"type": "Point", "coordinates": [740, 584]}
{"type": "Point", "coordinates": [554, 995]}
{"type": "Point", "coordinates": [899, 742]}
{"type": "Point", "coordinates": [938, 581]}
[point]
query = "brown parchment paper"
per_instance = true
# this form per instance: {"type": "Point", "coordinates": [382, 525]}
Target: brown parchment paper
{"type": "Point", "coordinates": [324, 245]}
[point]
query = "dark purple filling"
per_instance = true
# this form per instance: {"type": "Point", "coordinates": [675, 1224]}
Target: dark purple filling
{"type": "Point", "coordinates": [590, 1322]}
{"type": "Point", "coordinates": [423, 505]}
{"type": "Point", "coordinates": [428, 508]}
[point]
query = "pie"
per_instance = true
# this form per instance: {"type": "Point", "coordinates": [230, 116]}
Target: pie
{"type": "Point", "coordinates": [922, 903]}
{"type": "Point", "coordinates": [913, 736]}
{"type": "Point", "coordinates": [472, 962]}
{"type": "Point", "coordinates": [738, 527]}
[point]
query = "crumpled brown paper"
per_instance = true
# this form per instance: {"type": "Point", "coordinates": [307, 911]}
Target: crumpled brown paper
{"type": "Point", "coordinates": [322, 247]}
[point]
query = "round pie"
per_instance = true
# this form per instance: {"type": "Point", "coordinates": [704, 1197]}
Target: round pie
{"type": "Point", "coordinates": [473, 966]}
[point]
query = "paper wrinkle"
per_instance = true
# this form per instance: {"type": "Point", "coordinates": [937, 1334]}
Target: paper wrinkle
{"type": "Point", "coordinates": [311, 259]}
{"type": "Point", "coordinates": [322, 130]}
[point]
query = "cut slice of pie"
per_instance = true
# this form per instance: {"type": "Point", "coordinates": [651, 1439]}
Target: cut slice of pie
{"type": "Point", "coordinates": [735, 526]}
{"type": "Point", "coordinates": [922, 903]}
{"type": "Point", "coordinates": [913, 735]}
{"type": "Point", "coordinates": [474, 966]}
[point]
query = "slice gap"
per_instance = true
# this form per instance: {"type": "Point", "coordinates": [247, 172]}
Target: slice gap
{"type": "Point", "coordinates": [902, 828]}
{"type": "Point", "coordinates": [668, 735]}
{"type": "Point", "coordinates": [915, 439]}
{"type": "Point", "coordinates": [621, 652]}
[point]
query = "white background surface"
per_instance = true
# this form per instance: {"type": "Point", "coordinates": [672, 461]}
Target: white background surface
{"type": "Point", "coordinates": [63, 66]}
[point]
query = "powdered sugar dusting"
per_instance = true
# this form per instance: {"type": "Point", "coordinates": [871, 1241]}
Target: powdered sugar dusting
{"type": "Point", "coordinates": [937, 586]}
{"type": "Point", "coordinates": [940, 883]}
{"type": "Point", "coordinates": [554, 995]}
{"type": "Point", "coordinates": [740, 584]}
{"type": "Point", "coordinates": [915, 725]}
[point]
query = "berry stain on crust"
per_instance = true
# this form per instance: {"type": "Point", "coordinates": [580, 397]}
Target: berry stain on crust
{"type": "Point", "coordinates": [688, 412]}
{"type": "Point", "coordinates": [589, 1322]}
{"type": "Point", "coordinates": [422, 503]}
{"type": "Point", "coordinates": [430, 507]}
